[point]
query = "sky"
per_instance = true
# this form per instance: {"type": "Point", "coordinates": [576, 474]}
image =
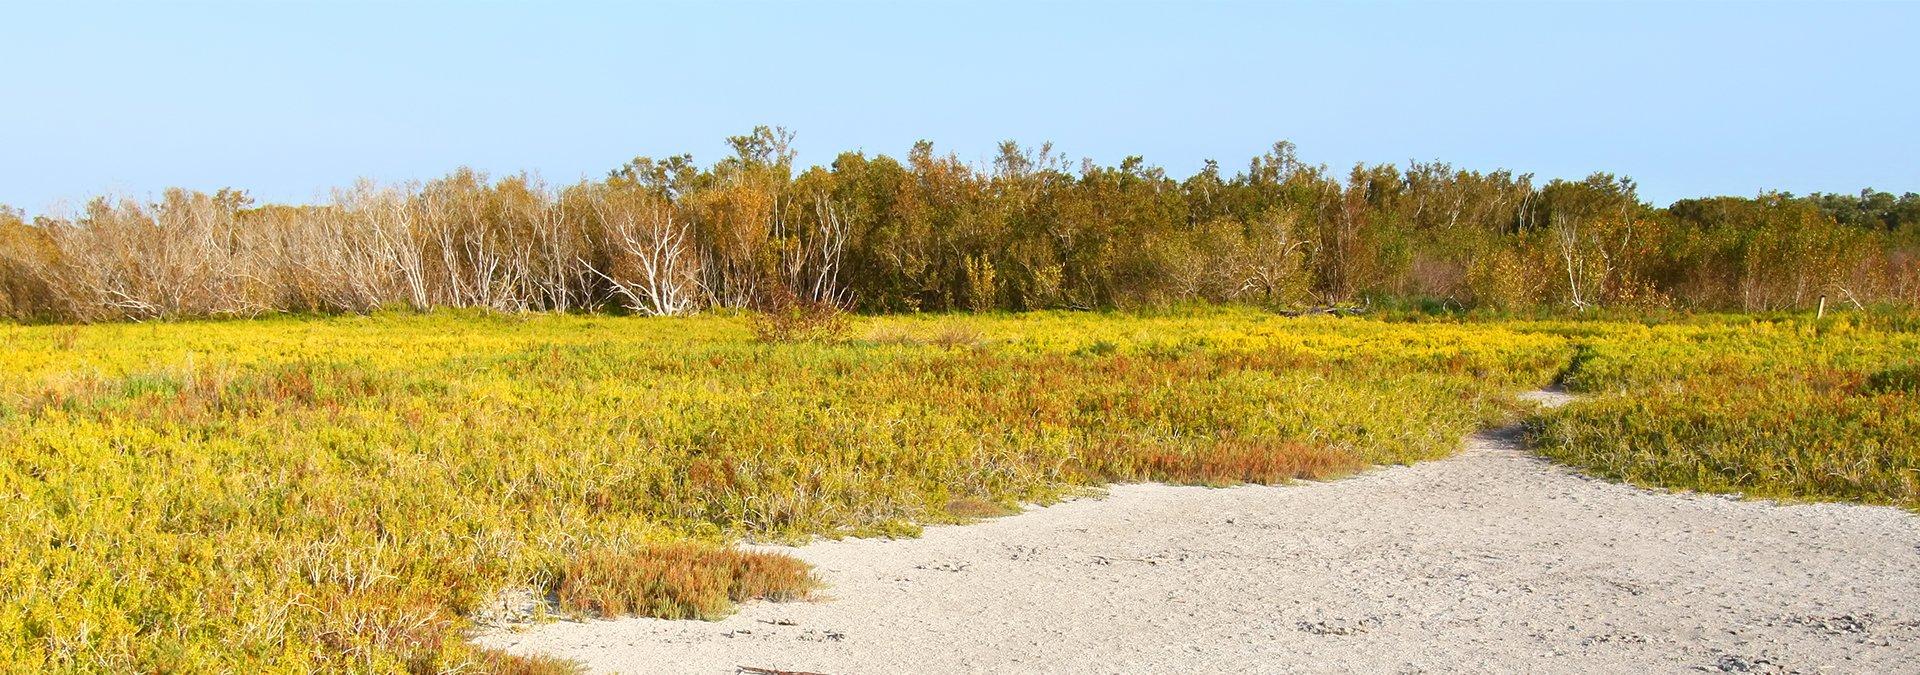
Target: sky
{"type": "Point", "coordinates": [289, 100]}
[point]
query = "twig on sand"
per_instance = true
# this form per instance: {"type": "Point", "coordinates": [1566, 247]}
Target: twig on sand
{"type": "Point", "coordinates": [750, 670]}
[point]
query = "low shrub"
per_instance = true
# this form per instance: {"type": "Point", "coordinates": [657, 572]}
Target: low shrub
{"type": "Point", "coordinates": [678, 580]}
{"type": "Point", "coordinates": [786, 318]}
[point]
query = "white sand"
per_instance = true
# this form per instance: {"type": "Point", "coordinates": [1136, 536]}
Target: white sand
{"type": "Point", "coordinates": [1492, 560]}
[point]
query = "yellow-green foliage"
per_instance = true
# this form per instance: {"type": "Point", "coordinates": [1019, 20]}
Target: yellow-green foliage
{"type": "Point", "coordinates": [1795, 409]}
{"type": "Point", "coordinates": [340, 494]}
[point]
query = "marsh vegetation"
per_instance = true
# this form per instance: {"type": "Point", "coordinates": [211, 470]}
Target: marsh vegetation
{"type": "Point", "coordinates": [301, 493]}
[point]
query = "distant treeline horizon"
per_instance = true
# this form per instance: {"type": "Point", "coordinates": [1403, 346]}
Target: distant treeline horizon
{"type": "Point", "coordinates": [929, 232]}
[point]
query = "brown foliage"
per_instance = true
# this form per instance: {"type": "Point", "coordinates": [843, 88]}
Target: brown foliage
{"type": "Point", "coordinates": [496, 662]}
{"type": "Point", "coordinates": [680, 580]}
{"type": "Point", "coordinates": [1226, 462]}
{"type": "Point", "coordinates": [786, 317]}
{"type": "Point", "coordinates": [935, 233]}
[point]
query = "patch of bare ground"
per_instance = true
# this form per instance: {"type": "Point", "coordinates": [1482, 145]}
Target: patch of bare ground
{"type": "Point", "coordinates": [1492, 560]}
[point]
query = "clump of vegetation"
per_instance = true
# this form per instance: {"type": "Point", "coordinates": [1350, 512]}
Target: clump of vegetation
{"type": "Point", "coordinates": [1232, 463]}
{"type": "Point", "coordinates": [789, 318]}
{"type": "Point", "coordinates": [1904, 378]}
{"type": "Point", "coordinates": [496, 662]}
{"type": "Point", "coordinates": [1790, 409]}
{"type": "Point", "coordinates": [678, 580]}
{"type": "Point", "coordinates": [300, 494]}
{"type": "Point", "coordinates": [970, 509]}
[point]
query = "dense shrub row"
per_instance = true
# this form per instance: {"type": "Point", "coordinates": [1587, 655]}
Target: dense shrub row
{"type": "Point", "coordinates": [929, 232]}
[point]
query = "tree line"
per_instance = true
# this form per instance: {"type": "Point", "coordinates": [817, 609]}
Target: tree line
{"type": "Point", "coordinates": [930, 232]}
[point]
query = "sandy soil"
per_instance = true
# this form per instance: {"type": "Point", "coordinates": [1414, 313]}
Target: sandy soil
{"type": "Point", "coordinates": [1492, 560]}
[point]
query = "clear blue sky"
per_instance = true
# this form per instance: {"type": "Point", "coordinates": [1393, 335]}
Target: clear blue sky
{"type": "Point", "coordinates": [289, 100]}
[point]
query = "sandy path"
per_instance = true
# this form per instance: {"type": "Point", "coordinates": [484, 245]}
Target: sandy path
{"type": "Point", "coordinates": [1491, 560]}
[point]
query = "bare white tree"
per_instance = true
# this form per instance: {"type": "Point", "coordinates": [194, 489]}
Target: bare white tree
{"type": "Point", "coordinates": [655, 270]}
{"type": "Point", "coordinates": [818, 263]}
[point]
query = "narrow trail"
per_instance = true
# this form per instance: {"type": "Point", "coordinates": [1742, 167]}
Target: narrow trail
{"type": "Point", "coordinates": [1492, 560]}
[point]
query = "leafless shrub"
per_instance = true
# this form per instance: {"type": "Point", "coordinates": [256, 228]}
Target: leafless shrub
{"type": "Point", "coordinates": [784, 316]}
{"type": "Point", "coordinates": [956, 336]}
{"type": "Point", "coordinates": [184, 256]}
{"type": "Point", "coordinates": [653, 267]}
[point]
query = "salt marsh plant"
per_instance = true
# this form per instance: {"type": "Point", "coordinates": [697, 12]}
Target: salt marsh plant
{"type": "Point", "coordinates": [299, 494]}
{"type": "Point", "coordinates": [1793, 409]}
